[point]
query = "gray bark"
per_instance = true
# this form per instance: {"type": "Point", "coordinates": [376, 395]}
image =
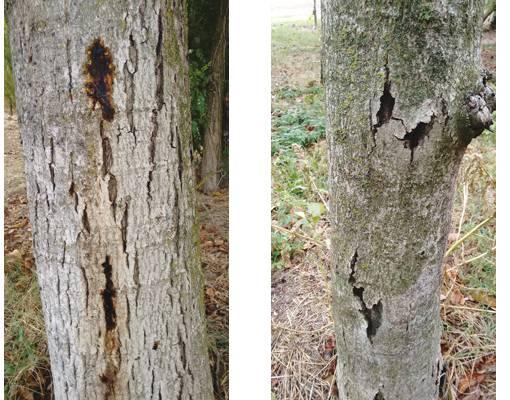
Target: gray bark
{"type": "Point", "coordinates": [215, 98]}
{"type": "Point", "coordinates": [103, 102]}
{"type": "Point", "coordinates": [404, 97]}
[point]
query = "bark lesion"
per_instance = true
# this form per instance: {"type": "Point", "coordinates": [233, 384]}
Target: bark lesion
{"type": "Point", "coordinates": [109, 293]}
{"type": "Point", "coordinates": [386, 104]}
{"type": "Point", "coordinates": [111, 339]}
{"type": "Point", "coordinates": [412, 139]}
{"type": "Point", "coordinates": [372, 315]}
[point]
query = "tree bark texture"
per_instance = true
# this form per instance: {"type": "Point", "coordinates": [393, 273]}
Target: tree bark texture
{"type": "Point", "coordinates": [215, 101]}
{"type": "Point", "coordinates": [103, 102]}
{"type": "Point", "coordinates": [404, 97]}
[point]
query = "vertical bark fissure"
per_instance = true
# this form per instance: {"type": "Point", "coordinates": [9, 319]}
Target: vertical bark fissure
{"type": "Point", "coordinates": [85, 220]}
{"type": "Point", "coordinates": [51, 164]}
{"type": "Point", "coordinates": [69, 69]}
{"type": "Point", "coordinates": [129, 85]}
{"type": "Point", "coordinates": [109, 293]}
{"type": "Point", "coordinates": [386, 105]}
{"type": "Point", "coordinates": [111, 338]}
{"type": "Point", "coordinates": [159, 95]}
{"type": "Point", "coordinates": [354, 260]}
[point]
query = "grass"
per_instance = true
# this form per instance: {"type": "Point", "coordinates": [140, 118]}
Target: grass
{"type": "Point", "coordinates": [26, 363]}
{"type": "Point", "coordinates": [300, 238]}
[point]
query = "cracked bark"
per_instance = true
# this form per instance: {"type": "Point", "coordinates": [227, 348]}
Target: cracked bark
{"type": "Point", "coordinates": [101, 107]}
{"type": "Point", "coordinates": [414, 69]}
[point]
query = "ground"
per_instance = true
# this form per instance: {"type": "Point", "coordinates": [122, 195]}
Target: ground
{"type": "Point", "coordinates": [26, 365]}
{"type": "Point", "coordinates": [303, 343]}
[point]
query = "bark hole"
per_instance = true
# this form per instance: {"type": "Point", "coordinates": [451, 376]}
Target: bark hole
{"type": "Point", "coordinates": [155, 345]}
{"type": "Point", "coordinates": [109, 294]}
{"type": "Point", "coordinates": [379, 396]}
{"type": "Point", "coordinates": [414, 138]}
{"type": "Point", "coordinates": [387, 102]}
{"type": "Point", "coordinates": [386, 109]}
{"type": "Point", "coordinates": [99, 74]}
{"type": "Point", "coordinates": [373, 315]}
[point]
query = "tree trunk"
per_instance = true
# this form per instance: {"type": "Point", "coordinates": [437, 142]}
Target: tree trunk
{"type": "Point", "coordinates": [314, 14]}
{"type": "Point", "coordinates": [103, 102]}
{"type": "Point", "coordinates": [215, 98]}
{"type": "Point", "coordinates": [397, 76]}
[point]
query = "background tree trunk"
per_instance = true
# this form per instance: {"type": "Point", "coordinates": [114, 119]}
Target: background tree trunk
{"type": "Point", "coordinates": [314, 14]}
{"type": "Point", "coordinates": [397, 75]}
{"type": "Point", "coordinates": [215, 99]}
{"type": "Point", "coordinates": [103, 101]}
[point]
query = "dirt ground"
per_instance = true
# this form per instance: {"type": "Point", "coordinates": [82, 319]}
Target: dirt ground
{"type": "Point", "coordinates": [213, 216]}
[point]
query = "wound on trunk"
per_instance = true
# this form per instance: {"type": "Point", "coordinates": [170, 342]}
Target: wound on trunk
{"type": "Point", "coordinates": [99, 74]}
{"type": "Point", "coordinates": [109, 294]}
{"type": "Point", "coordinates": [372, 315]}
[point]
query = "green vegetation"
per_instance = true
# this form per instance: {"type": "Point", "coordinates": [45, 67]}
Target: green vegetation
{"type": "Point", "coordinates": [301, 124]}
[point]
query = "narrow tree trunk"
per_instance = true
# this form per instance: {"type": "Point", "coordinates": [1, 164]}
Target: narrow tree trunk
{"type": "Point", "coordinates": [103, 102]}
{"type": "Point", "coordinates": [215, 98]}
{"type": "Point", "coordinates": [314, 14]}
{"type": "Point", "coordinates": [397, 77]}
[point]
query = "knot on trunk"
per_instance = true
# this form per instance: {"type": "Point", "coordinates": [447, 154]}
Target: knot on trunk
{"type": "Point", "coordinates": [480, 106]}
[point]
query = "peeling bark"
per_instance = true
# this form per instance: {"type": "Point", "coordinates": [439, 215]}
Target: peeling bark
{"type": "Point", "coordinates": [104, 113]}
{"type": "Point", "coordinates": [414, 69]}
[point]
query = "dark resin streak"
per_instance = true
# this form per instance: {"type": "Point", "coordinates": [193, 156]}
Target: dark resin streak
{"type": "Point", "coordinates": [99, 74]}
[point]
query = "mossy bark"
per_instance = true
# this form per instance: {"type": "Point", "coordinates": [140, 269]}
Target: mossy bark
{"type": "Point", "coordinates": [103, 104]}
{"type": "Point", "coordinates": [402, 79]}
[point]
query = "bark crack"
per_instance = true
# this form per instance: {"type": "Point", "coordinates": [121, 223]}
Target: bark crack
{"type": "Point", "coordinates": [354, 260]}
{"type": "Point", "coordinates": [51, 164]}
{"type": "Point", "coordinates": [387, 102]}
{"type": "Point", "coordinates": [372, 315]}
{"type": "Point", "coordinates": [69, 69]}
{"type": "Point", "coordinates": [109, 293]}
{"type": "Point", "coordinates": [85, 220]}
{"type": "Point", "coordinates": [159, 73]}
{"type": "Point", "coordinates": [111, 339]}
{"type": "Point", "coordinates": [415, 137]}
{"type": "Point", "coordinates": [129, 84]}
